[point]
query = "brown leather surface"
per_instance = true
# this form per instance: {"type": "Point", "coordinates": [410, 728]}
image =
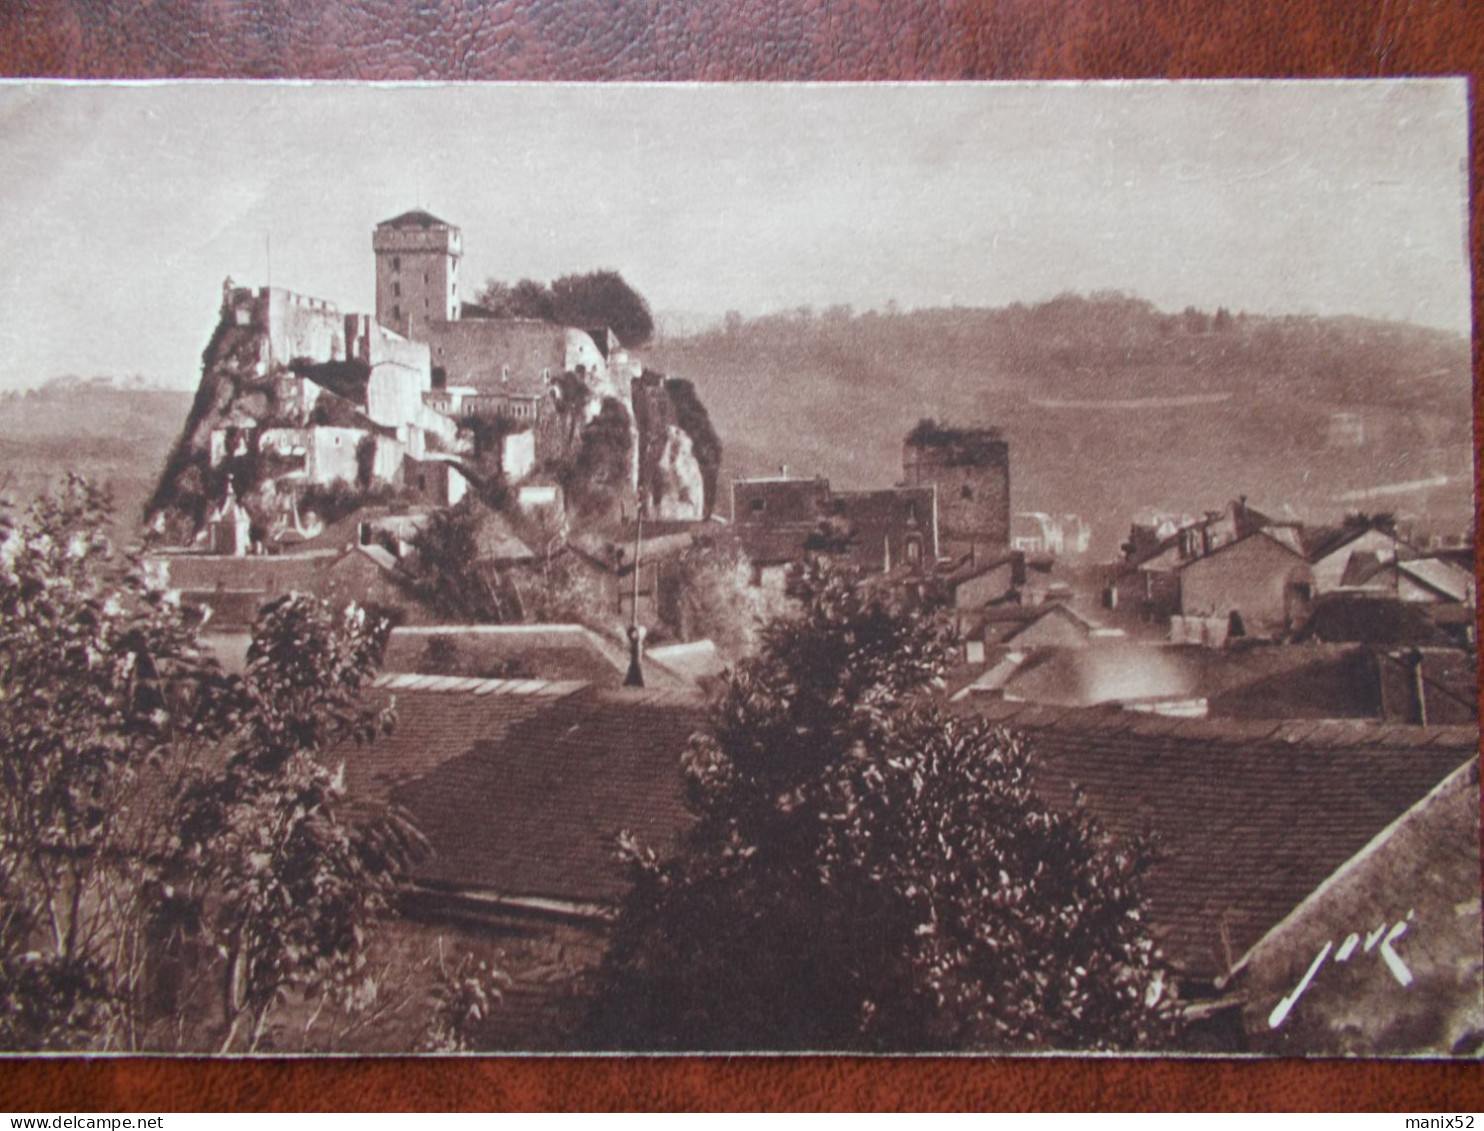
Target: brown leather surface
{"type": "Point", "coordinates": [741, 40]}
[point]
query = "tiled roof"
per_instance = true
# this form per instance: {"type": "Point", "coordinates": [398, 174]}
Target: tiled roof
{"type": "Point", "coordinates": [522, 787]}
{"type": "Point", "coordinates": [1253, 814]}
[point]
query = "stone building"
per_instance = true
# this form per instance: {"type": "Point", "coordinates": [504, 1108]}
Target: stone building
{"type": "Point", "coordinates": [970, 467]}
{"type": "Point", "coordinates": [1261, 583]}
{"type": "Point", "coordinates": [417, 272]}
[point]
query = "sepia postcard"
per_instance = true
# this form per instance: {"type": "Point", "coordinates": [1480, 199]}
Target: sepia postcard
{"type": "Point", "coordinates": [967, 567]}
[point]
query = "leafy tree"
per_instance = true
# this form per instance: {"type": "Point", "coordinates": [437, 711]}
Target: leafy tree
{"type": "Point", "coordinates": [599, 474]}
{"type": "Point", "coordinates": [281, 877]}
{"type": "Point", "coordinates": [713, 598]}
{"type": "Point", "coordinates": [560, 591]}
{"type": "Point", "coordinates": [597, 298]}
{"type": "Point", "coordinates": [864, 872]}
{"type": "Point", "coordinates": [448, 575]}
{"type": "Point", "coordinates": [1384, 521]}
{"type": "Point", "coordinates": [603, 298]}
{"type": "Point", "coordinates": [526, 299]}
{"type": "Point", "coordinates": [167, 830]}
{"type": "Point", "coordinates": [465, 994]}
{"type": "Point", "coordinates": [94, 675]}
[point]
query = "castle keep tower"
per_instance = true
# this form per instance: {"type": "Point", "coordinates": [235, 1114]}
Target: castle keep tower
{"type": "Point", "coordinates": [417, 272]}
{"type": "Point", "coordinates": [970, 467]}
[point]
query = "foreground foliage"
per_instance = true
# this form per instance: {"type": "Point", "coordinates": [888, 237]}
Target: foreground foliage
{"type": "Point", "coordinates": [177, 862]}
{"type": "Point", "coordinates": [867, 873]}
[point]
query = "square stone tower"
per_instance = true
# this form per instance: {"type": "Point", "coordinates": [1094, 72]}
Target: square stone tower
{"type": "Point", "coordinates": [417, 272]}
{"type": "Point", "coordinates": [970, 467]}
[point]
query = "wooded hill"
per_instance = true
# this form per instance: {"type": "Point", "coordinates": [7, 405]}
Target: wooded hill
{"type": "Point", "coordinates": [117, 433]}
{"type": "Point", "coordinates": [1110, 405]}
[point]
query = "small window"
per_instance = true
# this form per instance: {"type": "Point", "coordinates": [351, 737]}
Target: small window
{"type": "Point", "coordinates": [1301, 591]}
{"type": "Point", "coordinates": [425, 276]}
{"type": "Point", "coordinates": [759, 505]}
{"type": "Point", "coordinates": [396, 263]}
{"type": "Point", "coordinates": [966, 492]}
{"type": "Point", "coordinates": [397, 289]}
{"type": "Point", "coordinates": [396, 314]}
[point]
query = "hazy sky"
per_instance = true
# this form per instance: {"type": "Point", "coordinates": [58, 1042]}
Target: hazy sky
{"type": "Point", "coordinates": [122, 207]}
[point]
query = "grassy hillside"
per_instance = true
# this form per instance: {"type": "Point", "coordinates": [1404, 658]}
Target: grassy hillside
{"type": "Point", "coordinates": [114, 433]}
{"type": "Point", "coordinates": [1110, 405]}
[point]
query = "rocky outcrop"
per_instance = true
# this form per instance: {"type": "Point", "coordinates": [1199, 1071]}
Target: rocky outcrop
{"type": "Point", "coordinates": [679, 453]}
{"type": "Point", "coordinates": [238, 394]}
{"type": "Point", "coordinates": [287, 409]}
{"type": "Point", "coordinates": [678, 491]}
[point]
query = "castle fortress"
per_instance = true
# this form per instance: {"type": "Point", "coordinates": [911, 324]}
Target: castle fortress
{"type": "Point", "coordinates": [480, 364]}
{"type": "Point", "coordinates": [400, 382]}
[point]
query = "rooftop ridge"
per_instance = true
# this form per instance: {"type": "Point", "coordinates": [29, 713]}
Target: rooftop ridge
{"type": "Point", "coordinates": [1227, 731]}
{"type": "Point", "coordinates": [472, 685]}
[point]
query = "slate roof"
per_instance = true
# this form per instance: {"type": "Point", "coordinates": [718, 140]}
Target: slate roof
{"type": "Point", "coordinates": [1441, 576]}
{"type": "Point", "coordinates": [766, 545]}
{"type": "Point", "coordinates": [415, 218]}
{"type": "Point", "coordinates": [1253, 814]}
{"type": "Point", "coordinates": [522, 786]}
{"type": "Point", "coordinates": [1322, 541]}
{"type": "Point", "coordinates": [967, 569]}
{"type": "Point", "coordinates": [495, 539]}
{"type": "Point", "coordinates": [403, 522]}
{"type": "Point", "coordinates": [613, 555]}
{"type": "Point", "coordinates": [272, 574]}
{"type": "Point", "coordinates": [555, 652]}
{"type": "Point", "coordinates": [1381, 619]}
{"type": "Point", "coordinates": [225, 610]}
{"type": "Point", "coordinates": [1421, 871]}
{"type": "Point", "coordinates": [501, 357]}
{"type": "Point", "coordinates": [695, 660]}
{"type": "Point", "coordinates": [1283, 536]}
